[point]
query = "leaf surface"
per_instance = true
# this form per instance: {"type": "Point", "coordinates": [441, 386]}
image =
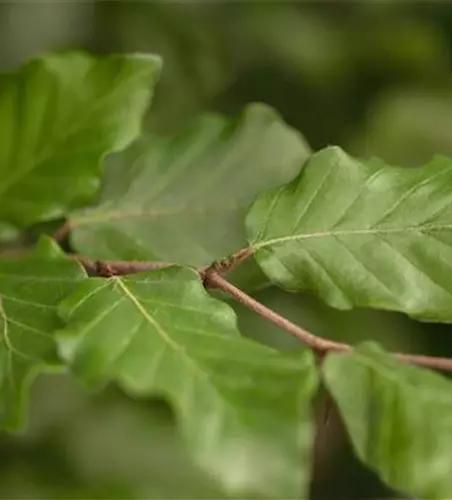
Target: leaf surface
{"type": "Point", "coordinates": [361, 233]}
{"type": "Point", "coordinates": [59, 116]}
{"type": "Point", "coordinates": [30, 290]}
{"type": "Point", "coordinates": [183, 199]}
{"type": "Point", "coordinates": [244, 408]}
{"type": "Point", "coordinates": [399, 418]}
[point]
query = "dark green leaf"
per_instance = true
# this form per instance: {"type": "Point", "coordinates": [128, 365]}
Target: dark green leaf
{"type": "Point", "coordinates": [399, 418]}
{"type": "Point", "coordinates": [244, 408]}
{"type": "Point", "coordinates": [59, 116]}
{"type": "Point", "coordinates": [361, 234]}
{"type": "Point", "coordinates": [183, 198]}
{"type": "Point", "coordinates": [30, 289]}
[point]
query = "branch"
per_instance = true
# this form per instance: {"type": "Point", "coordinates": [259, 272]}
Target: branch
{"type": "Point", "coordinates": [106, 268]}
{"type": "Point", "coordinates": [62, 232]}
{"type": "Point", "coordinates": [426, 361]}
{"type": "Point", "coordinates": [317, 343]}
{"type": "Point", "coordinates": [213, 278]}
{"type": "Point", "coordinates": [229, 263]}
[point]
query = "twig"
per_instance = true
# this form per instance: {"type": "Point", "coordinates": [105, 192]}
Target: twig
{"type": "Point", "coordinates": [108, 267]}
{"type": "Point", "coordinates": [213, 278]}
{"type": "Point", "coordinates": [62, 232]}
{"type": "Point", "coordinates": [229, 263]}
{"type": "Point", "coordinates": [317, 343]}
{"type": "Point", "coordinates": [426, 361]}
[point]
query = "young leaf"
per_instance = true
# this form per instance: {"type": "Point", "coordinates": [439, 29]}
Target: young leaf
{"type": "Point", "coordinates": [361, 234]}
{"type": "Point", "coordinates": [30, 289]}
{"type": "Point", "coordinates": [59, 116]}
{"type": "Point", "coordinates": [399, 418]}
{"type": "Point", "coordinates": [183, 198]}
{"type": "Point", "coordinates": [243, 407]}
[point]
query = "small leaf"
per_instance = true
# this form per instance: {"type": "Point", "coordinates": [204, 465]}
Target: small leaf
{"type": "Point", "coordinates": [183, 198]}
{"type": "Point", "coordinates": [361, 234]}
{"type": "Point", "coordinates": [59, 116]}
{"type": "Point", "coordinates": [243, 407]}
{"type": "Point", "coordinates": [30, 289]}
{"type": "Point", "coordinates": [399, 418]}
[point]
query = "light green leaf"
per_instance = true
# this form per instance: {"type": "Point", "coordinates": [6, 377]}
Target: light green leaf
{"type": "Point", "coordinates": [361, 234]}
{"type": "Point", "coordinates": [183, 198]}
{"type": "Point", "coordinates": [399, 418]}
{"type": "Point", "coordinates": [59, 116]}
{"type": "Point", "coordinates": [30, 289]}
{"type": "Point", "coordinates": [244, 408]}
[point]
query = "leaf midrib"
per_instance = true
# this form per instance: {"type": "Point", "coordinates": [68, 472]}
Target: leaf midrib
{"type": "Point", "coordinates": [35, 163]}
{"type": "Point", "coordinates": [224, 400]}
{"type": "Point", "coordinates": [350, 232]}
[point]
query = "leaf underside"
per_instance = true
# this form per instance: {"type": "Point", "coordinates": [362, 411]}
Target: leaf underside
{"type": "Point", "coordinates": [30, 290]}
{"type": "Point", "coordinates": [361, 234]}
{"type": "Point", "coordinates": [183, 199]}
{"type": "Point", "coordinates": [243, 407]}
{"type": "Point", "coordinates": [59, 116]}
{"type": "Point", "coordinates": [398, 417]}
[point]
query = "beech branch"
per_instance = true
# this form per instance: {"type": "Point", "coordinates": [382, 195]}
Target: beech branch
{"type": "Point", "coordinates": [62, 232]}
{"type": "Point", "coordinates": [317, 343]}
{"type": "Point", "coordinates": [212, 278]}
{"type": "Point", "coordinates": [106, 268]}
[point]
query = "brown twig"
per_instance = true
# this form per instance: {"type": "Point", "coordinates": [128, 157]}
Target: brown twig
{"type": "Point", "coordinates": [229, 263]}
{"type": "Point", "coordinates": [108, 267]}
{"type": "Point", "coordinates": [213, 278]}
{"type": "Point", "coordinates": [426, 361]}
{"type": "Point", "coordinates": [313, 341]}
{"type": "Point", "coordinates": [62, 232]}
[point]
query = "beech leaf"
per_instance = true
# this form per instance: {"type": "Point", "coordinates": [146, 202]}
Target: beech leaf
{"type": "Point", "coordinates": [59, 116]}
{"type": "Point", "coordinates": [30, 289]}
{"type": "Point", "coordinates": [398, 416]}
{"type": "Point", "coordinates": [183, 199]}
{"type": "Point", "coordinates": [361, 233]}
{"type": "Point", "coordinates": [244, 408]}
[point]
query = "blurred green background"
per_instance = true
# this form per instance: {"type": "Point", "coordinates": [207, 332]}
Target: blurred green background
{"type": "Point", "coordinates": [374, 77]}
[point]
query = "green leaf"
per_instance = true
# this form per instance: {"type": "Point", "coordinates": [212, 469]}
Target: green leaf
{"type": "Point", "coordinates": [30, 289]}
{"type": "Point", "coordinates": [399, 418]}
{"type": "Point", "coordinates": [244, 408]}
{"type": "Point", "coordinates": [183, 198]}
{"type": "Point", "coordinates": [59, 116]}
{"type": "Point", "coordinates": [361, 233]}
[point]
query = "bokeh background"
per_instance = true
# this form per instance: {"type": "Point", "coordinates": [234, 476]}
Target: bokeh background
{"type": "Point", "coordinates": [374, 77]}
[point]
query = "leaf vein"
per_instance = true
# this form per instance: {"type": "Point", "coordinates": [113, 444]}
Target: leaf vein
{"type": "Point", "coordinates": [314, 195]}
